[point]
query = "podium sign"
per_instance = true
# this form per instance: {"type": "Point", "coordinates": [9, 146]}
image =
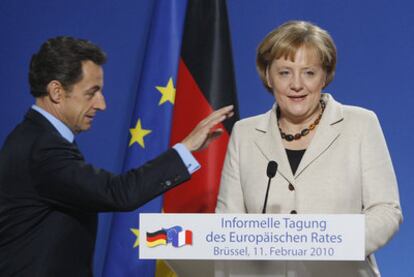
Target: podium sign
{"type": "Point", "coordinates": [252, 237]}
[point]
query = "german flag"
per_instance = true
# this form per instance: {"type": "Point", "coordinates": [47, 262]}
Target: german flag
{"type": "Point", "coordinates": [157, 238]}
{"type": "Point", "coordinates": [205, 83]}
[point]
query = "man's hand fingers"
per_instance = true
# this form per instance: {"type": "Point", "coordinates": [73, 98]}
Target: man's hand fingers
{"type": "Point", "coordinates": [225, 112]}
{"type": "Point", "coordinates": [210, 137]}
{"type": "Point", "coordinates": [215, 134]}
{"type": "Point", "coordinates": [211, 121]}
{"type": "Point", "coordinates": [204, 132]}
{"type": "Point", "coordinates": [211, 124]}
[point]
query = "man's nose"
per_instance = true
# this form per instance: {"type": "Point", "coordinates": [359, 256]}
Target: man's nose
{"type": "Point", "coordinates": [100, 103]}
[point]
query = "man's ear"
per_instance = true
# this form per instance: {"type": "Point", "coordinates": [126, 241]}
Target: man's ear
{"type": "Point", "coordinates": [55, 91]}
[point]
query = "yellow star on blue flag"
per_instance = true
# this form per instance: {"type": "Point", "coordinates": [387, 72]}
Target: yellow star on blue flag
{"type": "Point", "coordinates": [138, 134]}
{"type": "Point", "coordinates": [168, 92]}
{"type": "Point", "coordinates": [136, 233]}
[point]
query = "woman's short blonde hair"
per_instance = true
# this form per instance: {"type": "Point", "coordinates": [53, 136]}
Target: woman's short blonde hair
{"type": "Point", "coordinates": [285, 41]}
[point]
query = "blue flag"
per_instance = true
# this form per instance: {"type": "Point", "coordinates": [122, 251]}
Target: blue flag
{"type": "Point", "coordinates": [149, 132]}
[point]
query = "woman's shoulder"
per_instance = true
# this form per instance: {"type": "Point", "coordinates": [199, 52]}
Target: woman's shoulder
{"type": "Point", "coordinates": [353, 112]}
{"type": "Point", "coordinates": [358, 113]}
{"type": "Point", "coordinates": [359, 119]}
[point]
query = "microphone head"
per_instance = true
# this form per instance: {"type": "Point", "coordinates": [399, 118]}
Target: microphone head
{"type": "Point", "coordinates": [271, 169]}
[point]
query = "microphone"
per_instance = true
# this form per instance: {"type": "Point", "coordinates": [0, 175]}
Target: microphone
{"type": "Point", "coordinates": [271, 172]}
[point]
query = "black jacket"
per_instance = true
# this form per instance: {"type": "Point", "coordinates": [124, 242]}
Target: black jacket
{"type": "Point", "coordinates": [49, 199]}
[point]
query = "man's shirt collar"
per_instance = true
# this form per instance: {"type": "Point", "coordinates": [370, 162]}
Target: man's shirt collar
{"type": "Point", "coordinates": [63, 130]}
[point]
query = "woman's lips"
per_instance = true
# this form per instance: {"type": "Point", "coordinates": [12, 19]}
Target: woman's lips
{"type": "Point", "coordinates": [297, 98]}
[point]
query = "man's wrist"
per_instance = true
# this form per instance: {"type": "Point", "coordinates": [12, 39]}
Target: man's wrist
{"type": "Point", "coordinates": [188, 158]}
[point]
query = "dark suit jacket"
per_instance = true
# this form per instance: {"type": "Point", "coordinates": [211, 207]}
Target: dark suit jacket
{"type": "Point", "coordinates": [49, 199]}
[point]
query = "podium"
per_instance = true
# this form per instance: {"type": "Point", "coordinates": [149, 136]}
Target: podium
{"type": "Point", "coordinates": [262, 237]}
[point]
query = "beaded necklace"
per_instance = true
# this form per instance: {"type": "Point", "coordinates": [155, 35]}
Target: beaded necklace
{"type": "Point", "coordinates": [304, 132]}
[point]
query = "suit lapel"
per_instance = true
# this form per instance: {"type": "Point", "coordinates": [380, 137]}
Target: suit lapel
{"type": "Point", "coordinates": [269, 142]}
{"type": "Point", "coordinates": [328, 131]}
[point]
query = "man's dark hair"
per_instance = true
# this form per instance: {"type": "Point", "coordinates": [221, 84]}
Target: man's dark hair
{"type": "Point", "coordinates": [61, 59]}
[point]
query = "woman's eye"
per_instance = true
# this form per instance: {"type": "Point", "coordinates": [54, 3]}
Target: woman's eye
{"type": "Point", "coordinates": [283, 73]}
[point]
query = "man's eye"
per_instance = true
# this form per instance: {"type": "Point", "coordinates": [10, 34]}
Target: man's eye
{"type": "Point", "coordinates": [90, 95]}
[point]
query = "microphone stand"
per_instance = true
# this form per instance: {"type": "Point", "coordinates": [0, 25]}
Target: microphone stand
{"type": "Point", "coordinates": [267, 194]}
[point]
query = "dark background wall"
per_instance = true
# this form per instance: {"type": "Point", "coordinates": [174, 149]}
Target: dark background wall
{"type": "Point", "coordinates": [375, 41]}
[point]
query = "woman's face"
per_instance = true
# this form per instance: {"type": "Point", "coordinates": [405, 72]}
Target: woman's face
{"type": "Point", "coordinates": [297, 85]}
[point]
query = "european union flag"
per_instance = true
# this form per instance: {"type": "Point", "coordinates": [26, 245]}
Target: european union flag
{"type": "Point", "coordinates": [149, 132]}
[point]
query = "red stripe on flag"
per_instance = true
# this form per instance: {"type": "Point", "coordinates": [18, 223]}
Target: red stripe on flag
{"type": "Point", "coordinates": [199, 195]}
{"type": "Point", "coordinates": [188, 237]}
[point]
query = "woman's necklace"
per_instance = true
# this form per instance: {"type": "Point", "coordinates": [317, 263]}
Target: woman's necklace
{"type": "Point", "coordinates": [304, 132]}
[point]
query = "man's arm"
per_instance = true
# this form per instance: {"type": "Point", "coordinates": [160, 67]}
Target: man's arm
{"type": "Point", "coordinates": [64, 179]}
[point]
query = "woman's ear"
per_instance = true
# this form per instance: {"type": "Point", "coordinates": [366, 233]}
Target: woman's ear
{"type": "Point", "coordinates": [268, 79]}
{"type": "Point", "coordinates": [325, 80]}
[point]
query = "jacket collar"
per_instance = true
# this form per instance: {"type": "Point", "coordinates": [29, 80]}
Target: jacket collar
{"type": "Point", "coordinates": [269, 142]}
{"type": "Point", "coordinates": [39, 120]}
{"type": "Point", "coordinates": [61, 127]}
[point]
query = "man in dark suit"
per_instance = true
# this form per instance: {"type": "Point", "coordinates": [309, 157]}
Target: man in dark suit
{"type": "Point", "coordinates": [49, 195]}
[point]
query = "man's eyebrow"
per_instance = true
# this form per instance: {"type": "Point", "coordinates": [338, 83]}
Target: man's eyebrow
{"type": "Point", "coordinates": [94, 88]}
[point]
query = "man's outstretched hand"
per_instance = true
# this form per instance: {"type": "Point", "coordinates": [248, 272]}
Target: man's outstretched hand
{"type": "Point", "coordinates": [201, 136]}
